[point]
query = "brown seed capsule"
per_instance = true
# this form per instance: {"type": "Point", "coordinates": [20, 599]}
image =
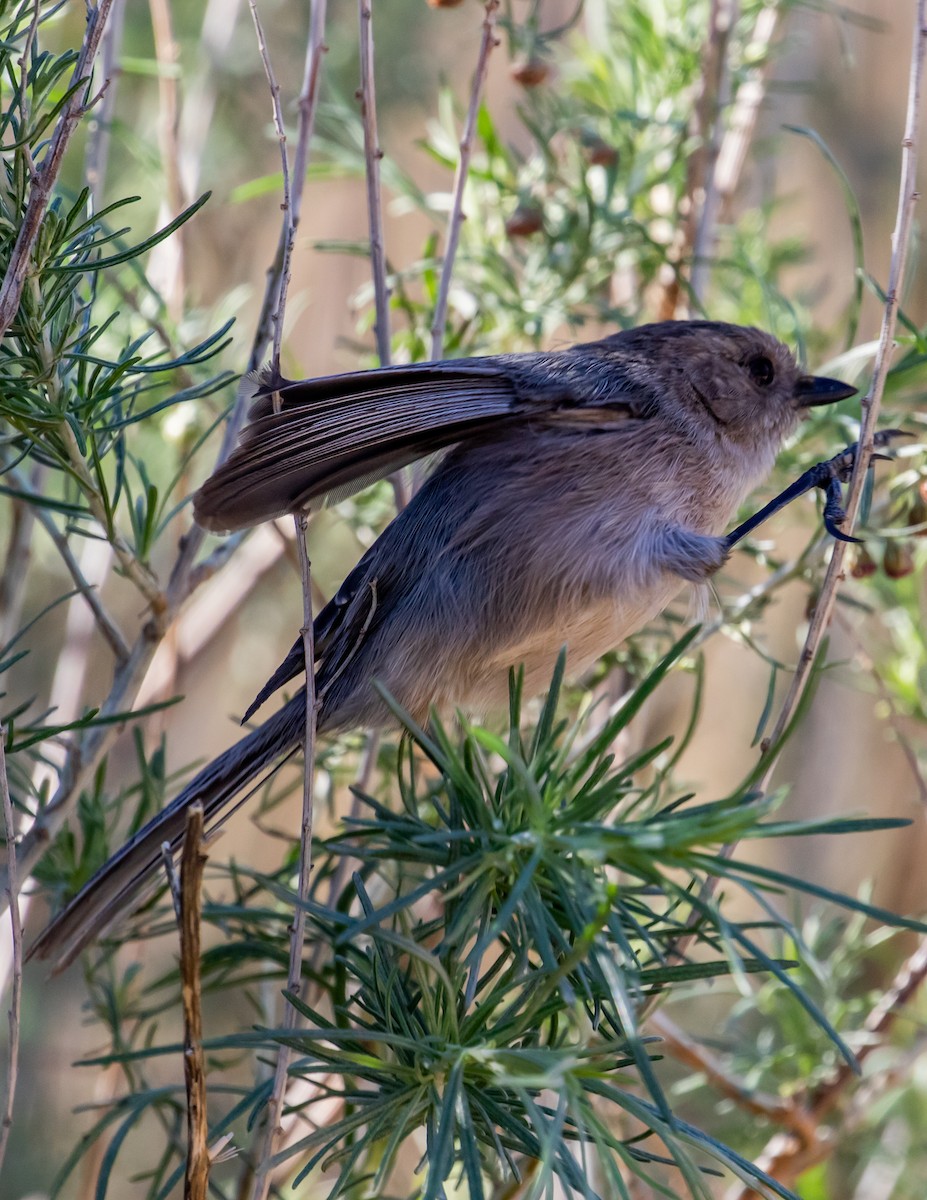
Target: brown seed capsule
{"type": "Point", "coordinates": [600, 154]}
{"type": "Point", "coordinates": [917, 513]}
{"type": "Point", "coordinates": [444, 3]}
{"type": "Point", "coordinates": [524, 221]}
{"type": "Point", "coordinates": [898, 559]}
{"type": "Point", "coordinates": [530, 72]}
{"type": "Point", "coordinates": [864, 564]}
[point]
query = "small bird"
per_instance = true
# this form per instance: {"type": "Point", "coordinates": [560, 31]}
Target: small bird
{"type": "Point", "coordinates": [578, 491]}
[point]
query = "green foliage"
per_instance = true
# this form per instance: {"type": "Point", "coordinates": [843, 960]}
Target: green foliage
{"type": "Point", "coordinates": [498, 914]}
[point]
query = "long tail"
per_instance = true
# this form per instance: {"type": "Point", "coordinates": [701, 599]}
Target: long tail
{"type": "Point", "coordinates": [110, 893]}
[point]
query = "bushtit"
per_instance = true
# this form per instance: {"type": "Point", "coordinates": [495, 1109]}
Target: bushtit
{"type": "Point", "coordinates": [579, 490]}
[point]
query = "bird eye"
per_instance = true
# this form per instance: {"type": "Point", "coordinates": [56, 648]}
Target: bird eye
{"type": "Point", "coordinates": [761, 369]}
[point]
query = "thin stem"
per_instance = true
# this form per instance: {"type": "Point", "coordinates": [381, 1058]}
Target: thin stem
{"type": "Point", "coordinates": [871, 404]}
{"type": "Point", "coordinates": [293, 187]}
{"type": "Point", "coordinates": [46, 175]}
{"type": "Point", "coordinates": [15, 1013]}
{"type": "Point", "coordinates": [487, 42]}
{"type": "Point", "coordinates": [367, 96]}
{"type": "Point", "coordinates": [192, 862]}
{"type": "Point", "coordinates": [96, 156]}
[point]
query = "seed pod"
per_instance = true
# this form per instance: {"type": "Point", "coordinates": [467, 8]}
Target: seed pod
{"type": "Point", "coordinates": [444, 3]}
{"type": "Point", "coordinates": [600, 154]}
{"type": "Point", "coordinates": [917, 513]}
{"type": "Point", "coordinates": [864, 564]}
{"type": "Point", "coordinates": [530, 72]}
{"type": "Point", "coordinates": [898, 559]}
{"type": "Point", "coordinates": [524, 221]}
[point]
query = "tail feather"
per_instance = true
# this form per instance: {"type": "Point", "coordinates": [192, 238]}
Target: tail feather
{"type": "Point", "coordinates": [132, 870]}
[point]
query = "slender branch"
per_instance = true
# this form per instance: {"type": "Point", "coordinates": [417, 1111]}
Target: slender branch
{"type": "Point", "coordinates": [704, 213]}
{"type": "Point", "coordinates": [705, 127]}
{"type": "Point", "coordinates": [130, 563]}
{"type": "Point", "coordinates": [105, 623]}
{"type": "Point", "coordinates": [166, 265]}
{"type": "Point", "coordinates": [687, 1051]}
{"type": "Point", "coordinates": [787, 1155]}
{"type": "Point", "coordinates": [367, 96]}
{"type": "Point", "coordinates": [487, 42]}
{"type": "Point", "coordinates": [739, 134]}
{"type": "Point", "coordinates": [293, 187]}
{"type": "Point", "coordinates": [46, 175]}
{"type": "Point", "coordinates": [12, 886]}
{"type": "Point", "coordinates": [192, 861]}
{"type": "Point", "coordinates": [871, 404]}
{"type": "Point", "coordinates": [15, 569]}
{"type": "Point", "coordinates": [96, 155]}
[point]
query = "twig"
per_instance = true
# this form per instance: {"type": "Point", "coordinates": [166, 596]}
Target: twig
{"type": "Point", "coordinates": [487, 42]}
{"type": "Point", "coordinates": [15, 568]}
{"type": "Point", "coordinates": [192, 861]}
{"type": "Point", "coordinates": [871, 404]}
{"type": "Point", "coordinates": [705, 214]}
{"type": "Point", "coordinates": [96, 155]}
{"type": "Point", "coordinates": [739, 134]}
{"type": "Point", "coordinates": [46, 175]}
{"type": "Point", "coordinates": [787, 1155]}
{"type": "Point", "coordinates": [687, 1051]}
{"type": "Point", "coordinates": [16, 992]}
{"type": "Point", "coordinates": [894, 717]}
{"type": "Point", "coordinates": [700, 168]}
{"type": "Point", "coordinates": [367, 96]}
{"type": "Point", "coordinates": [90, 592]}
{"type": "Point", "coordinates": [166, 265]}
{"type": "Point", "coordinates": [293, 187]}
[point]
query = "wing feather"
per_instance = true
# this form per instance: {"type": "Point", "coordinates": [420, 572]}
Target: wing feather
{"type": "Point", "coordinates": [332, 432]}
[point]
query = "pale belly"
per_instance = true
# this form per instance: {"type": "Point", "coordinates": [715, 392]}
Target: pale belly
{"type": "Point", "coordinates": [587, 633]}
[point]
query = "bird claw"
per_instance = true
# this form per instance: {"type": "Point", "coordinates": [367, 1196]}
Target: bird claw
{"type": "Point", "coordinates": [828, 476]}
{"type": "Point", "coordinates": [837, 470]}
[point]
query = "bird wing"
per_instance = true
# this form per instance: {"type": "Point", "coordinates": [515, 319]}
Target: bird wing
{"type": "Point", "coordinates": [335, 431]}
{"type": "Point", "coordinates": [328, 434]}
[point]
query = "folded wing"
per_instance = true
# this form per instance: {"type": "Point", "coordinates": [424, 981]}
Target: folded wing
{"type": "Point", "coordinates": [331, 432]}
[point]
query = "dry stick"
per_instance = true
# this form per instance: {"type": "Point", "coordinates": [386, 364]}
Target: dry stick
{"type": "Point", "coordinates": [367, 96]}
{"type": "Point", "coordinates": [787, 1155]}
{"type": "Point", "coordinates": [706, 127]}
{"type": "Point", "coordinates": [704, 215]}
{"type": "Point", "coordinates": [90, 592]}
{"type": "Point", "coordinates": [915, 969]}
{"type": "Point", "coordinates": [12, 1067]}
{"type": "Point", "coordinates": [46, 175]}
{"type": "Point", "coordinates": [739, 135]}
{"type": "Point", "coordinates": [167, 258]}
{"type": "Point", "coordinates": [192, 861]}
{"type": "Point", "coordinates": [96, 155]}
{"type": "Point", "coordinates": [871, 404]}
{"type": "Point", "coordinates": [688, 1052]}
{"type": "Point", "coordinates": [487, 42]}
{"type": "Point", "coordinates": [292, 206]}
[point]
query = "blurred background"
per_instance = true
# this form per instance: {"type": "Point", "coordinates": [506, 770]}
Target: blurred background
{"type": "Point", "coordinates": [192, 114]}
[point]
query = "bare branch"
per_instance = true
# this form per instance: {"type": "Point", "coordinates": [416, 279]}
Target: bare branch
{"type": "Point", "coordinates": [166, 264]}
{"type": "Point", "coordinates": [96, 155]}
{"type": "Point", "coordinates": [487, 42]}
{"type": "Point", "coordinates": [192, 861]}
{"type": "Point", "coordinates": [871, 404]}
{"type": "Point", "coordinates": [46, 174]}
{"type": "Point", "coordinates": [293, 186]}
{"type": "Point", "coordinates": [12, 885]}
{"type": "Point", "coordinates": [367, 96]}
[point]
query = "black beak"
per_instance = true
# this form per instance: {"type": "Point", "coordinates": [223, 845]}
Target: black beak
{"type": "Point", "coordinates": [813, 390]}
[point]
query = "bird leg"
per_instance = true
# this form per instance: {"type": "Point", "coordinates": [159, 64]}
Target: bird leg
{"type": "Point", "coordinates": [828, 476]}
